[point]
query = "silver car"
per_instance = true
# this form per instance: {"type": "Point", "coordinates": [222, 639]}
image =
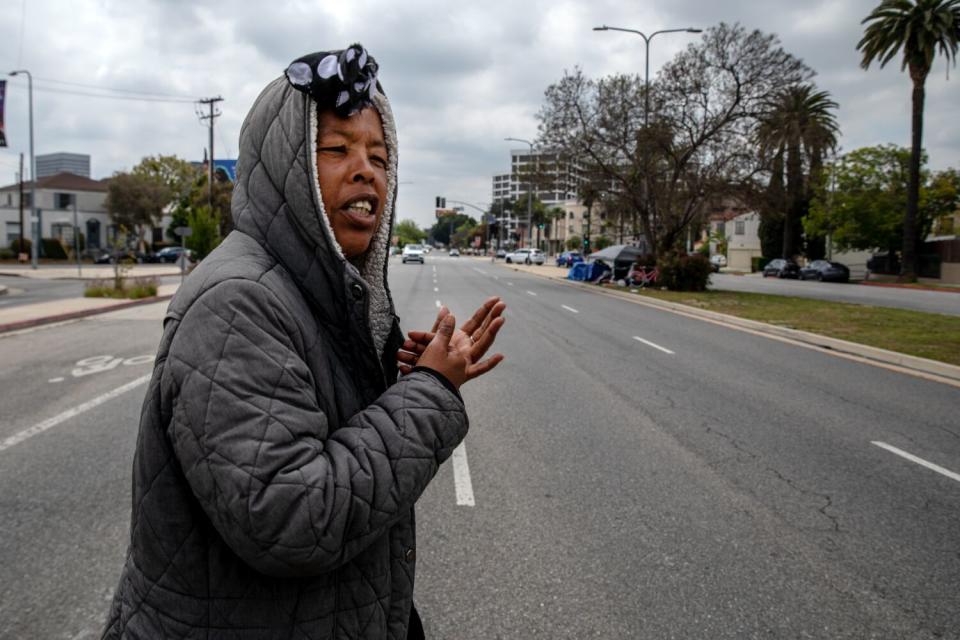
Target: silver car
{"type": "Point", "coordinates": [526, 256]}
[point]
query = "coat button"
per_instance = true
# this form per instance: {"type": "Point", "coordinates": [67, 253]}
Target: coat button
{"type": "Point", "coordinates": [410, 555]}
{"type": "Point", "coordinates": [357, 291]}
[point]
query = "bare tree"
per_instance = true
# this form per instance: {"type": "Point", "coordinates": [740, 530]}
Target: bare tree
{"type": "Point", "coordinates": [697, 147]}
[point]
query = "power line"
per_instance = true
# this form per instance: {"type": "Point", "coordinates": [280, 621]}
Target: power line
{"type": "Point", "coordinates": [110, 97]}
{"type": "Point", "coordinates": [115, 90]}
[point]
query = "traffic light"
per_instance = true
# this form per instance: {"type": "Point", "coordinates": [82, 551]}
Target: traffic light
{"type": "Point", "coordinates": [441, 202]}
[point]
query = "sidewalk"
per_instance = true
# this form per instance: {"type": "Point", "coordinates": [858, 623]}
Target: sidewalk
{"type": "Point", "coordinates": [33, 315]}
{"type": "Point", "coordinates": [87, 271]}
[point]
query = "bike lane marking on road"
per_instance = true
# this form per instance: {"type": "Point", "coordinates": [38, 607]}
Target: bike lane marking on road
{"type": "Point", "coordinates": [652, 344]}
{"type": "Point", "coordinates": [461, 477]}
{"type": "Point", "coordinates": [49, 423]}
{"type": "Point", "coordinates": [570, 309]}
{"type": "Point", "coordinates": [920, 461]}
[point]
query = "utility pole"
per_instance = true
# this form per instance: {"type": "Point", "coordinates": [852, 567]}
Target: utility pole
{"type": "Point", "coordinates": [20, 256]}
{"type": "Point", "coordinates": [211, 102]}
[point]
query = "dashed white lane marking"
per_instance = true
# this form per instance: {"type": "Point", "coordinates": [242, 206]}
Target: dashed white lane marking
{"type": "Point", "coordinates": [510, 283]}
{"type": "Point", "coordinates": [49, 423]}
{"type": "Point", "coordinates": [436, 289]}
{"type": "Point", "coordinates": [532, 293]}
{"type": "Point", "coordinates": [481, 271]}
{"type": "Point", "coordinates": [461, 476]}
{"type": "Point", "coordinates": [651, 344]}
{"type": "Point", "coordinates": [55, 380]}
{"type": "Point", "coordinates": [570, 309]}
{"type": "Point", "coordinates": [920, 461]}
{"type": "Point", "coordinates": [496, 277]}
{"type": "Point", "coordinates": [438, 304]}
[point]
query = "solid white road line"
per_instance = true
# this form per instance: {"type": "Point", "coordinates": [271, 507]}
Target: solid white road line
{"type": "Point", "coordinates": [438, 304]}
{"type": "Point", "coordinates": [920, 461]}
{"type": "Point", "coordinates": [461, 476]}
{"type": "Point", "coordinates": [20, 436]}
{"type": "Point", "coordinates": [651, 344]}
{"type": "Point", "coordinates": [55, 380]}
{"type": "Point", "coordinates": [570, 309]}
{"type": "Point", "coordinates": [532, 293]}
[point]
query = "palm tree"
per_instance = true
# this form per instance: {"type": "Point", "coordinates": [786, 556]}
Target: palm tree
{"type": "Point", "coordinates": [921, 28]}
{"type": "Point", "coordinates": [799, 127]}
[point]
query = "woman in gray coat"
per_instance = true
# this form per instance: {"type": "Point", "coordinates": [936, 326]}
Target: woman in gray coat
{"type": "Point", "coordinates": [279, 455]}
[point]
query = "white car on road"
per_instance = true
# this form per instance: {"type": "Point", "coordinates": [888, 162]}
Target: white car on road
{"type": "Point", "coordinates": [412, 253]}
{"type": "Point", "coordinates": [526, 256]}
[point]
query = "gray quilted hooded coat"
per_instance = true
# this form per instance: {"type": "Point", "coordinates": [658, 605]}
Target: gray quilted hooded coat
{"type": "Point", "coordinates": [279, 458]}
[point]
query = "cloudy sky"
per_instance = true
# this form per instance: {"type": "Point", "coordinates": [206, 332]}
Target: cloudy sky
{"type": "Point", "coordinates": [462, 76]}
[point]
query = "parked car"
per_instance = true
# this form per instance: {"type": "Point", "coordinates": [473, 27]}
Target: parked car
{"type": "Point", "coordinates": [717, 261]}
{"type": "Point", "coordinates": [127, 256]}
{"type": "Point", "coordinates": [569, 258]}
{"type": "Point", "coordinates": [412, 253]}
{"type": "Point", "coordinates": [169, 255]}
{"type": "Point", "coordinates": [501, 253]}
{"type": "Point", "coordinates": [782, 268]}
{"type": "Point", "coordinates": [454, 253]}
{"type": "Point", "coordinates": [825, 271]}
{"type": "Point", "coordinates": [526, 256]}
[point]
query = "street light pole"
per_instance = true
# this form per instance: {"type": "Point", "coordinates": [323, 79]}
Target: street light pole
{"type": "Point", "coordinates": [646, 93]}
{"type": "Point", "coordinates": [529, 191]}
{"type": "Point", "coordinates": [35, 245]}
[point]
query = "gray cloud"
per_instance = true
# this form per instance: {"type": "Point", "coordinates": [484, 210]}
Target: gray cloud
{"type": "Point", "coordinates": [461, 77]}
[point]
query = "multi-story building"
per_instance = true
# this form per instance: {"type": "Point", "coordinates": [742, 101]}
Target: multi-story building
{"type": "Point", "coordinates": [55, 197]}
{"type": "Point", "coordinates": [50, 164]}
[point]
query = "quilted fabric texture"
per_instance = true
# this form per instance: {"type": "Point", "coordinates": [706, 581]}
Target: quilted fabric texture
{"type": "Point", "coordinates": [278, 458]}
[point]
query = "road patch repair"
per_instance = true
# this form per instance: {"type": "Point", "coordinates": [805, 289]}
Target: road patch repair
{"type": "Point", "coordinates": [926, 368]}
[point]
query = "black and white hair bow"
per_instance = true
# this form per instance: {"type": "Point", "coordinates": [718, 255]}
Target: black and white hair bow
{"type": "Point", "coordinates": [344, 81]}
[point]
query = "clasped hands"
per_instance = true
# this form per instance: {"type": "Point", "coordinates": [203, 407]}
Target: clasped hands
{"type": "Point", "coordinates": [456, 353]}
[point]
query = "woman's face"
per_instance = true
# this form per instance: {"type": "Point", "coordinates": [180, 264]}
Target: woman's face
{"type": "Point", "coordinates": [352, 171]}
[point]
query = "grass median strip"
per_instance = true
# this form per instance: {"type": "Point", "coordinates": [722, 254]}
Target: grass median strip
{"type": "Point", "coordinates": [926, 335]}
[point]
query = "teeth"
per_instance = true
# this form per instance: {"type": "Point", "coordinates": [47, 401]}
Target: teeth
{"type": "Point", "coordinates": [362, 206]}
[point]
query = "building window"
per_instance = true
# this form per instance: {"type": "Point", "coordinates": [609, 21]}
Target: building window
{"type": "Point", "coordinates": [738, 227]}
{"type": "Point", "coordinates": [721, 228]}
{"type": "Point", "coordinates": [13, 232]}
{"type": "Point", "coordinates": [62, 200]}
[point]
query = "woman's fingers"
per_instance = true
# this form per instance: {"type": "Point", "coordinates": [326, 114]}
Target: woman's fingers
{"type": "Point", "coordinates": [407, 358]}
{"type": "Point", "coordinates": [474, 323]}
{"type": "Point", "coordinates": [440, 316]}
{"type": "Point", "coordinates": [483, 367]}
{"type": "Point", "coordinates": [480, 347]}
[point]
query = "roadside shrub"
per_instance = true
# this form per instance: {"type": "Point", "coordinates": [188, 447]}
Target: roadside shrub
{"type": "Point", "coordinates": [53, 249]}
{"type": "Point", "coordinates": [15, 245]}
{"type": "Point", "coordinates": [134, 289]}
{"type": "Point", "coordinates": [683, 272]}
{"type": "Point", "coordinates": [601, 242]}
{"type": "Point", "coordinates": [757, 263]}
{"type": "Point", "coordinates": [7, 254]}
{"type": "Point", "coordinates": [574, 243]}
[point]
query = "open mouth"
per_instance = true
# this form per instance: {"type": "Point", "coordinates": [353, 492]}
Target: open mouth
{"type": "Point", "coordinates": [361, 209]}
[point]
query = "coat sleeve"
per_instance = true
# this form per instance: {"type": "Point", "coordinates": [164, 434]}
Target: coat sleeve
{"type": "Point", "coordinates": [289, 497]}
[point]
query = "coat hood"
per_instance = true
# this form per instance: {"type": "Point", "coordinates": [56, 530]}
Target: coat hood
{"type": "Point", "coordinates": [277, 201]}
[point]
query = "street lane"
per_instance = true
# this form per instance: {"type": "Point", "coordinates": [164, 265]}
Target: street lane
{"type": "Point", "coordinates": [784, 436]}
{"type": "Point", "coordinates": [727, 490]}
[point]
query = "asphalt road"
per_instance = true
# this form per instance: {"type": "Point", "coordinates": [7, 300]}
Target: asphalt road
{"type": "Point", "coordinates": [930, 301]}
{"type": "Point", "coordinates": [633, 474]}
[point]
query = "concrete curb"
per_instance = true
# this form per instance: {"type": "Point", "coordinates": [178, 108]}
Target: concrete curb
{"type": "Point", "coordinates": [75, 315]}
{"type": "Point", "coordinates": [934, 368]}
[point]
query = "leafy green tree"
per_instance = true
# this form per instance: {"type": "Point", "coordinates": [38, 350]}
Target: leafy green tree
{"type": "Point", "coordinates": [864, 208]}
{"type": "Point", "coordinates": [444, 227]}
{"type": "Point", "coordinates": [205, 224]}
{"type": "Point", "coordinates": [574, 243]}
{"type": "Point", "coordinates": [799, 127]}
{"type": "Point", "coordinates": [920, 28]}
{"type": "Point", "coordinates": [408, 232]}
{"type": "Point", "coordinates": [136, 201]}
